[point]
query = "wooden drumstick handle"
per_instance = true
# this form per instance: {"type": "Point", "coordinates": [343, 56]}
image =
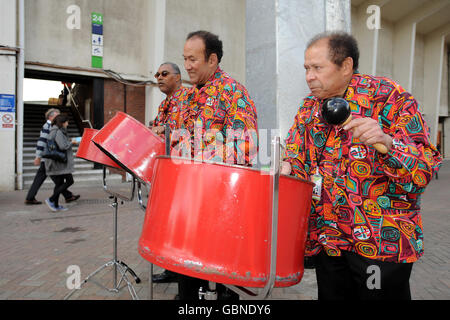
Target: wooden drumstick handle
{"type": "Point", "coordinates": [381, 148]}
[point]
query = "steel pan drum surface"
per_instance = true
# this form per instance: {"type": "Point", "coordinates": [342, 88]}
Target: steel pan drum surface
{"type": "Point", "coordinates": [130, 144]}
{"type": "Point", "coordinates": [87, 150]}
{"type": "Point", "coordinates": [211, 221]}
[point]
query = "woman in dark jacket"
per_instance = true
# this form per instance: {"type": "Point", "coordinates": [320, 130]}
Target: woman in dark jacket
{"type": "Point", "coordinates": [60, 172]}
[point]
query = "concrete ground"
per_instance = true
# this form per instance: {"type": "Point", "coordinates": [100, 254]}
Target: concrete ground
{"type": "Point", "coordinates": [38, 246]}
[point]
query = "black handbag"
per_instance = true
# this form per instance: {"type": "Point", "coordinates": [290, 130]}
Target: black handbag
{"type": "Point", "coordinates": [51, 151]}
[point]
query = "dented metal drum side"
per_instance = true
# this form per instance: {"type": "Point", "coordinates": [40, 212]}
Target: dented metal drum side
{"type": "Point", "coordinates": [294, 205]}
{"type": "Point", "coordinates": [87, 150]}
{"type": "Point", "coordinates": [210, 221]}
{"type": "Point", "coordinates": [130, 144]}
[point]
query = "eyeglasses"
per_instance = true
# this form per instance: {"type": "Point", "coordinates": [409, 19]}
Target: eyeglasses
{"type": "Point", "coordinates": [163, 74]}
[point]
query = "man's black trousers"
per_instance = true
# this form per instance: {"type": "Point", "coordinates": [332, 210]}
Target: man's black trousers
{"type": "Point", "coordinates": [352, 276]}
{"type": "Point", "coordinates": [39, 179]}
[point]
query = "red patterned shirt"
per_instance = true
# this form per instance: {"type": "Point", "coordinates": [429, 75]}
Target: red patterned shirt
{"type": "Point", "coordinates": [168, 111]}
{"type": "Point", "coordinates": [220, 121]}
{"type": "Point", "coordinates": [370, 202]}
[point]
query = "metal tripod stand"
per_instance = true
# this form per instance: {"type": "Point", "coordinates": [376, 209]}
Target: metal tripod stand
{"type": "Point", "coordinates": [118, 266]}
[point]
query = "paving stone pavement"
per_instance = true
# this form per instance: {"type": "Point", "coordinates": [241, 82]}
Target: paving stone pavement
{"type": "Point", "coordinates": [37, 247]}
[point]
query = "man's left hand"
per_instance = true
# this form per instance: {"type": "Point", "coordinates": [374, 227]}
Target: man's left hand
{"type": "Point", "coordinates": [158, 129]}
{"type": "Point", "coordinates": [369, 132]}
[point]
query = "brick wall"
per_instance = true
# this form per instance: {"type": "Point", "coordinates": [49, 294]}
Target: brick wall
{"type": "Point", "coordinates": [114, 100]}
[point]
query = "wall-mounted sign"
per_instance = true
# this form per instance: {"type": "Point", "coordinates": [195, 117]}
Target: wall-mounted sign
{"type": "Point", "coordinates": [7, 112]}
{"type": "Point", "coordinates": [97, 40]}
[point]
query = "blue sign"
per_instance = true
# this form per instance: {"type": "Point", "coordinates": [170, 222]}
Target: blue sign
{"type": "Point", "coordinates": [97, 28]}
{"type": "Point", "coordinates": [7, 103]}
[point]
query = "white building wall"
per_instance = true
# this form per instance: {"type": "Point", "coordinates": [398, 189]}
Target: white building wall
{"type": "Point", "coordinates": [385, 51]}
{"type": "Point", "coordinates": [7, 86]}
{"type": "Point", "coordinates": [411, 51]}
{"type": "Point", "coordinates": [224, 18]}
{"type": "Point", "coordinates": [418, 74]}
{"type": "Point", "coordinates": [125, 32]}
{"type": "Point", "coordinates": [443, 110]}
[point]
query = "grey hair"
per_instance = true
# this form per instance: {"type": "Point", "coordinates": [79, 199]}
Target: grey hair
{"type": "Point", "coordinates": [174, 66]}
{"type": "Point", "coordinates": [51, 112]}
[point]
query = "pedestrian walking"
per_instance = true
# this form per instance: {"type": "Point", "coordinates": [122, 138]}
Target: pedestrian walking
{"type": "Point", "coordinates": [60, 172]}
{"type": "Point", "coordinates": [41, 175]}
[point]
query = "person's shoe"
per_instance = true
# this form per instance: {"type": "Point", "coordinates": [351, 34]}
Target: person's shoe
{"type": "Point", "coordinates": [166, 276]}
{"type": "Point", "coordinates": [31, 202]}
{"type": "Point", "coordinates": [61, 208]}
{"type": "Point", "coordinates": [51, 205]}
{"type": "Point", "coordinates": [73, 198]}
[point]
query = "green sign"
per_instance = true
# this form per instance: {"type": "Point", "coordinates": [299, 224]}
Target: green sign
{"type": "Point", "coordinates": [97, 40]}
{"type": "Point", "coordinates": [97, 18]}
{"type": "Point", "coordinates": [97, 62]}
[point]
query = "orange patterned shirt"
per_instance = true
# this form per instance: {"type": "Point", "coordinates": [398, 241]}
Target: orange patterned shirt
{"type": "Point", "coordinates": [168, 111]}
{"type": "Point", "coordinates": [370, 202]}
{"type": "Point", "coordinates": [219, 122]}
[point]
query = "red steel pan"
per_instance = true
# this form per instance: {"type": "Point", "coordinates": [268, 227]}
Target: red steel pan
{"type": "Point", "coordinates": [88, 151]}
{"type": "Point", "coordinates": [130, 144]}
{"type": "Point", "coordinates": [211, 221]}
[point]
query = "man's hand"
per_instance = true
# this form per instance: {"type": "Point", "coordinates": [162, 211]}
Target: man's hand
{"type": "Point", "coordinates": [369, 132]}
{"type": "Point", "coordinates": [37, 161]}
{"type": "Point", "coordinates": [158, 129]}
{"type": "Point", "coordinates": [286, 168]}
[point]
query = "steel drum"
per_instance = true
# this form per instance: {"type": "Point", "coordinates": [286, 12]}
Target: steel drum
{"type": "Point", "coordinates": [88, 151]}
{"type": "Point", "coordinates": [130, 144]}
{"type": "Point", "coordinates": [211, 221]}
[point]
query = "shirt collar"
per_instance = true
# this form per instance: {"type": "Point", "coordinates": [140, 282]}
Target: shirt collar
{"type": "Point", "coordinates": [214, 76]}
{"type": "Point", "coordinates": [360, 98]}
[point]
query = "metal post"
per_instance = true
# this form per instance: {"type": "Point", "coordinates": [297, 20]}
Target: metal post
{"type": "Point", "coordinates": [19, 93]}
{"type": "Point", "coordinates": [150, 282]}
{"type": "Point", "coordinates": [115, 205]}
{"type": "Point", "coordinates": [273, 230]}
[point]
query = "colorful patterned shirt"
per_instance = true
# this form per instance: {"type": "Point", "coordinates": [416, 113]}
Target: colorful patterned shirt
{"type": "Point", "coordinates": [168, 111]}
{"type": "Point", "coordinates": [220, 121]}
{"type": "Point", "coordinates": [370, 202]}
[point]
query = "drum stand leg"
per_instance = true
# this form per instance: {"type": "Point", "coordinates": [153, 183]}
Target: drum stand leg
{"type": "Point", "coordinates": [210, 294]}
{"type": "Point", "coordinates": [265, 292]}
{"type": "Point", "coordinates": [117, 266]}
{"type": "Point", "coordinates": [150, 282]}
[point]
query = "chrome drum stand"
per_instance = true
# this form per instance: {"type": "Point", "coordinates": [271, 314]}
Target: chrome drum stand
{"type": "Point", "coordinates": [118, 266]}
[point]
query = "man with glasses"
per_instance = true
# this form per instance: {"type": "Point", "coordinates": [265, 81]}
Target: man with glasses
{"type": "Point", "coordinates": [169, 82]}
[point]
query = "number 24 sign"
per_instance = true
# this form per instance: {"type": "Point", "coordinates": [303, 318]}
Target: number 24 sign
{"type": "Point", "coordinates": [97, 18]}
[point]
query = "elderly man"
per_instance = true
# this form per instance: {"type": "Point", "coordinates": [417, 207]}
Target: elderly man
{"type": "Point", "coordinates": [169, 82]}
{"type": "Point", "coordinates": [220, 119]}
{"type": "Point", "coordinates": [41, 175]}
{"type": "Point", "coordinates": [365, 228]}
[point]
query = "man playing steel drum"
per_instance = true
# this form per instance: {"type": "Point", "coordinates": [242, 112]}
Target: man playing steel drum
{"type": "Point", "coordinates": [219, 119]}
{"type": "Point", "coordinates": [365, 229]}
